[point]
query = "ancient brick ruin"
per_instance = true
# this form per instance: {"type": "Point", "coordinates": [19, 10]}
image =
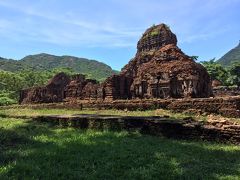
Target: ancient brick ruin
{"type": "Point", "coordinates": [159, 70]}
{"type": "Point", "coordinates": [52, 92]}
{"type": "Point", "coordinates": [61, 88]}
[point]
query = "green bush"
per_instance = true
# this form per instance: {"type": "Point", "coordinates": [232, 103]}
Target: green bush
{"type": "Point", "coordinates": [4, 101]}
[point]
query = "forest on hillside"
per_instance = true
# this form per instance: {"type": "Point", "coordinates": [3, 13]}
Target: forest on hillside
{"type": "Point", "coordinates": [47, 62]}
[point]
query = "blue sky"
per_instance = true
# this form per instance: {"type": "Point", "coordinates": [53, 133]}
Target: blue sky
{"type": "Point", "coordinates": [108, 30]}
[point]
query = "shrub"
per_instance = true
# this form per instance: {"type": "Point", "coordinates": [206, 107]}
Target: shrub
{"type": "Point", "coordinates": [4, 101]}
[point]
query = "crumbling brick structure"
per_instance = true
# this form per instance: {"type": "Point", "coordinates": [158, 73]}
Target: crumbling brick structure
{"type": "Point", "coordinates": [81, 88]}
{"type": "Point", "coordinates": [159, 70]}
{"type": "Point", "coordinates": [52, 92]}
{"type": "Point", "coordinates": [117, 87]}
{"type": "Point", "coordinates": [61, 87]}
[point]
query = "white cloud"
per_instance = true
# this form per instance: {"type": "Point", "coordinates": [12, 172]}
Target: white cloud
{"type": "Point", "coordinates": [69, 30]}
{"type": "Point", "coordinates": [41, 22]}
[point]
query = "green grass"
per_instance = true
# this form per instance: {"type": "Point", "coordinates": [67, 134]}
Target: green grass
{"type": "Point", "coordinates": [29, 150]}
{"type": "Point", "coordinates": [36, 112]}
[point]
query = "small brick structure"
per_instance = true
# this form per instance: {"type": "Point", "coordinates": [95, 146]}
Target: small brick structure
{"type": "Point", "coordinates": [61, 88]}
{"type": "Point", "coordinates": [52, 92]}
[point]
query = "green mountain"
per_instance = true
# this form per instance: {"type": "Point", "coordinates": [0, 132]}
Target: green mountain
{"type": "Point", "coordinates": [230, 57]}
{"type": "Point", "coordinates": [92, 68]}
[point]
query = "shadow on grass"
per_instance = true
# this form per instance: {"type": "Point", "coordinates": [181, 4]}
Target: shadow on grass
{"type": "Point", "coordinates": [39, 151]}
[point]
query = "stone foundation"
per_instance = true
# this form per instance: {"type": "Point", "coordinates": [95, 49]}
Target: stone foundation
{"type": "Point", "coordinates": [227, 107]}
{"type": "Point", "coordinates": [220, 131]}
{"type": "Point", "coordinates": [224, 91]}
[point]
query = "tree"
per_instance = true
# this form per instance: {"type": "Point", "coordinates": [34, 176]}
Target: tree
{"type": "Point", "coordinates": [10, 81]}
{"type": "Point", "coordinates": [216, 71]}
{"type": "Point", "coordinates": [195, 58]}
{"type": "Point", "coordinates": [235, 73]}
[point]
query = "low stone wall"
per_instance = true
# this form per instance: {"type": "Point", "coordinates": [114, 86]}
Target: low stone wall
{"type": "Point", "coordinates": [224, 91]}
{"type": "Point", "coordinates": [220, 131]}
{"type": "Point", "coordinates": [227, 107]}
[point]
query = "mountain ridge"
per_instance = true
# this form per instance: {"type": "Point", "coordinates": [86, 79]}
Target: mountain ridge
{"type": "Point", "coordinates": [43, 61]}
{"type": "Point", "coordinates": [231, 56]}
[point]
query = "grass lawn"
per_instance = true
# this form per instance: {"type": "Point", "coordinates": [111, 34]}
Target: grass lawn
{"type": "Point", "coordinates": [29, 150]}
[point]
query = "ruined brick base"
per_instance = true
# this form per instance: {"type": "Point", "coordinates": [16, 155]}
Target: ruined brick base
{"type": "Point", "coordinates": [225, 106]}
{"type": "Point", "coordinates": [218, 131]}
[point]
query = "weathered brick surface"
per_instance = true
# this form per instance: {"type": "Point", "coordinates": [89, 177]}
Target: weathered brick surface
{"type": "Point", "coordinates": [161, 70]}
{"type": "Point", "coordinates": [61, 88]}
{"type": "Point", "coordinates": [52, 92]}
